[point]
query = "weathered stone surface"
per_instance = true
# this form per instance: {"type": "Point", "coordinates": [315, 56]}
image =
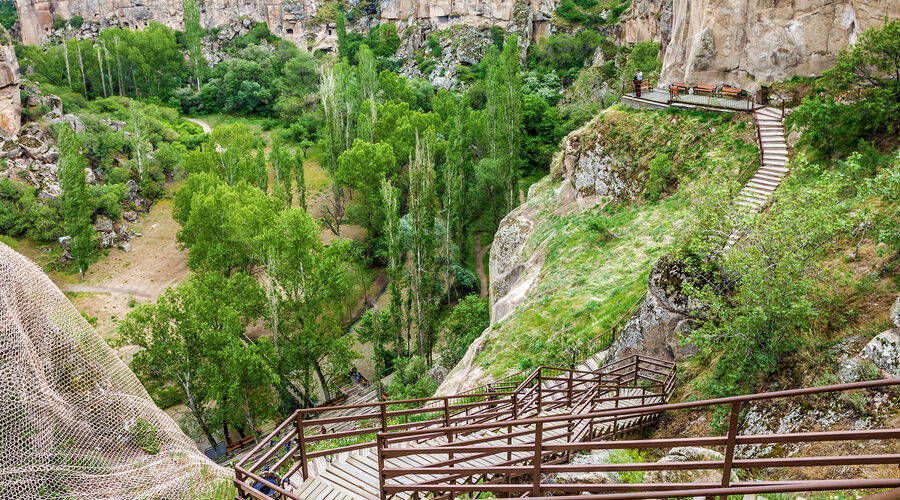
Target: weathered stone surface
{"type": "Point", "coordinates": [662, 317]}
{"type": "Point", "coordinates": [750, 43]}
{"type": "Point", "coordinates": [103, 224]}
{"type": "Point", "coordinates": [10, 97]}
{"type": "Point", "coordinates": [687, 454]}
{"type": "Point", "coordinates": [594, 172]}
{"type": "Point", "coordinates": [129, 215]}
{"type": "Point", "coordinates": [884, 352]}
{"type": "Point", "coordinates": [597, 457]}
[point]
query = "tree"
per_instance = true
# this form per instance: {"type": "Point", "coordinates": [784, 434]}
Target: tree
{"type": "Point", "coordinates": [193, 33]}
{"type": "Point", "coordinates": [462, 326]}
{"type": "Point", "coordinates": [76, 208]}
{"type": "Point", "coordinates": [140, 148]}
{"type": "Point", "coordinates": [504, 103]}
{"type": "Point", "coordinates": [368, 87]}
{"type": "Point", "coordinates": [340, 26]}
{"type": "Point", "coordinates": [232, 145]}
{"type": "Point", "coordinates": [361, 168]}
{"type": "Point", "coordinates": [337, 95]}
{"type": "Point", "coordinates": [173, 335]}
{"type": "Point", "coordinates": [422, 206]}
{"type": "Point", "coordinates": [758, 296]}
{"type": "Point", "coordinates": [300, 171]}
{"type": "Point", "coordinates": [872, 64]}
{"type": "Point", "coordinates": [390, 197]}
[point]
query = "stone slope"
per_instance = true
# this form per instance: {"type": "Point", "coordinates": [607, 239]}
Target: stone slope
{"type": "Point", "coordinates": [749, 43]}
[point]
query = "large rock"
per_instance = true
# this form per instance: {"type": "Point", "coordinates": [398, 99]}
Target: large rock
{"type": "Point", "coordinates": [688, 454]}
{"type": "Point", "coordinates": [750, 43]}
{"type": "Point", "coordinates": [895, 312]}
{"type": "Point", "coordinates": [662, 318]}
{"type": "Point", "coordinates": [10, 97]}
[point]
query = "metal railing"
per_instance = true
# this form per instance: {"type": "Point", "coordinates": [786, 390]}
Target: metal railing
{"type": "Point", "coordinates": [297, 445]}
{"type": "Point", "coordinates": [542, 450]}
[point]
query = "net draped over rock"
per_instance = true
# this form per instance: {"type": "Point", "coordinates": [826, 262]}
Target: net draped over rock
{"type": "Point", "coordinates": [75, 422]}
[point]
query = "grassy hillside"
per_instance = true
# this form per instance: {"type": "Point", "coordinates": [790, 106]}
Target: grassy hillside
{"type": "Point", "coordinates": [597, 260]}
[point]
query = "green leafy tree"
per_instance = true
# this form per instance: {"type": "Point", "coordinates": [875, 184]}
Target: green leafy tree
{"type": "Point", "coordinates": [361, 168]}
{"type": "Point", "coordinates": [462, 326]}
{"type": "Point", "coordinates": [340, 26]}
{"type": "Point", "coordinates": [412, 380]}
{"type": "Point", "coordinates": [390, 198]}
{"type": "Point", "coordinates": [232, 145]}
{"type": "Point", "coordinates": [422, 208]}
{"type": "Point", "coordinates": [76, 207]}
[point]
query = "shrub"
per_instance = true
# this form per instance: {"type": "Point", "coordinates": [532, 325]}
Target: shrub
{"type": "Point", "coordinates": [462, 326]}
{"type": "Point", "coordinates": [58, 22]}
{"type": "Point", "coordinates": [76, 21]}
{"type": "Point", "coordinates": [143, 434]}
{"type": "Point", "coordinates": [660, 176]}
{"type": "Point", "coordinates": [106, 199]}
{"type": "Point", "coordinates": [435, 45]}
{"type": "Point", "coordinates": [411, 380]}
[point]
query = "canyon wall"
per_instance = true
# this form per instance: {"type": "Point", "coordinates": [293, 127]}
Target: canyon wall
{"type": "Point", "coordinates": [10, 98]}
{"type": "Point", "coordinates": [750, 42]}
{"type": "Point", "coordinates": [295, 20]}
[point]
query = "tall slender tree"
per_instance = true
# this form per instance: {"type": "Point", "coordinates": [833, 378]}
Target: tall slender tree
{"type": "Point", "coordinates": [422, 217]}
{"type": "Point", "coordinates": [504, 109]}
{"type": "Point", "coordinates": [390, 197]}
{"type": "Point", "coordinates": [193, 33]}
{"type": "Point", "coordinates": [75, 205]}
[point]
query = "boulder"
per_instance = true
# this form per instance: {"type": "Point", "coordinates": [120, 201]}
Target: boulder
{"type": "Point", "coordinates": [89, 177]}
{"type": "Point", "coordinates": [33, 147]}
{"type": "Point", "coordinates": [107, 239]}
{"type": "Point", "coordinates": [687, 454]}
{"type": "Point", "coordinates": [129, 215]}
{"type": "Point", "coordinates": [597, 457]}
{"type": "Point", "coordinates": [132, 188]}
{"type": "Point", "coordinates": [103, 224]}
{"type": "Point", "coordinates": [884, 352]}
{"type": "Point", "coordinates": [10, 149]}
{"type": "Point", "coordinates": [661, 319]}
{"type": "Point", "coordinates": [125, 246]}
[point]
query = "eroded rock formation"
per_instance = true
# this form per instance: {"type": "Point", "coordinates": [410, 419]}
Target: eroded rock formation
{"type": "Point", "coordinates": [10, 100]}
{"type": "Point", "coordinates": [295, 20]}
{"type": "Point", "coordinates": [749, 43]}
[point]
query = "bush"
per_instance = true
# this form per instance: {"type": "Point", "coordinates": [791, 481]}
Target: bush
{"type": "Point", "coordinates": [435, 45]}
{"type": "Point", "coordinates": [8, 14]}
{"type": "Point", "coordinates": [58, 22]}
{"type": "Point", "coordinates": [462, 326]}
{"type": "Point", "coordinates": [660, 176]}
{"type": "Point", "coordinates": [106, 199]}
{"type": "Point", "coordinates": [411, 380]}
{"type": "Point", "coordinates": [143, 434]}
{"type": "Point", "coordinates": [76, 21]}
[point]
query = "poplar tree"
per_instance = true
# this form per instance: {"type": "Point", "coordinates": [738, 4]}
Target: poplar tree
{"type": "Point", "coordinates": [337, 96]}
{"type": "Point", "coordinates": [262, 173]}
{"type": "Point", "coordinates": [301, 177]}
{"type": "Point", "coordinates": [504, 109]}
{"type": "Point", "coordinates": [340, 26]}
{"type": "Point", "coordinates": [140, 147]}
{"type": "Point", "coordinates": [390, 197]}
{"type": "Point", "coordinates": [74, 197]}
{"type": "Point", "coordinates": [368, 87]}
{"type": "Point", "coordinates": [193, 33]}
{"type": "Point", "coordinates": [422, 217]}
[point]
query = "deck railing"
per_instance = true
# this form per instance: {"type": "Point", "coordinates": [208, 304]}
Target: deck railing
{"type": "Point", "coordinates": [543, 449]}
{"type": "Point", "coordinates": [296, 443]}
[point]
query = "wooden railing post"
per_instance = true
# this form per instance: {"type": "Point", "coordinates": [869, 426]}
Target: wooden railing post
{"type": "Point", "coordinates": [383, 409]}
{"type": "Point", "coordinates": [381, 478]}
{"type": "Point", "coordinates": [301, 445]}
{"type": "Point", "coordinates": [729, 447]}
{"type": "Point", "coordinates": [539, 392]}
{"type": "Point", "coordinates": [514, 415]}
{"type": "Point", "coordinates": [447, 424]}
{"type": "Point", "coordinates": [536, 480]}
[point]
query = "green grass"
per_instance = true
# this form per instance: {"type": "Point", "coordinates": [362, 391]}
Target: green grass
{"type": "Point", "coordinates": [597, 261]}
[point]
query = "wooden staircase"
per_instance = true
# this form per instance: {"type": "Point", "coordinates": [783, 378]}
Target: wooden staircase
{"type": "Point", "coordinates": [774, 155]}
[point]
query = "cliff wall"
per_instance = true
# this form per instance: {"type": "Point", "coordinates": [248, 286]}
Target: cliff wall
{"type": "Point", "coordinates": [295, 20]}
{"type": "Point", "coordinates": [750, 42]}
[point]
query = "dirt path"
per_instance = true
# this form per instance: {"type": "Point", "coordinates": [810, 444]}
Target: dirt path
{"type": "Point", "coordinates": [206, 128]}
{"type": "Point", "coordinates": [118, 279]}
{"type": "Point", "coordinates": [479, 265]}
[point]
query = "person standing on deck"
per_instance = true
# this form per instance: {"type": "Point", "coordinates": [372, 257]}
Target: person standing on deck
{"type": "Point", "coordinates": [637, 86]}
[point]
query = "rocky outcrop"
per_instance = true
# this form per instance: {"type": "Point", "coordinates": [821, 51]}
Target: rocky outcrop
{"type": "Point", "coordinates": [688, 454]}
{"type": "Point", "coordinates": [749, 43]}
{"type": "Point", "coordinates": [661, 319]}
{"type": "Point", "coordinates": [296, 20]}
{"type": "Point", "coordinates": [880, 357]}
{"type": "Point", "coordinates": [10, 98]}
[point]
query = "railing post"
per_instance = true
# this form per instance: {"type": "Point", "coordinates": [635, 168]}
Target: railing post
{"type": "Point", "coordinates": [381, 478]}
{"type": "Point", "coordinates": [539, 392]}
{"type": "Point", "coordinates": [447, 424]}
{"type": "Point", "coordinates": [514, 415]}
{"type": "Point", "coordinates": [536, 480]}
{"type": "Point", "coordinates": [383, 409]}
{"type": "Point", "coordinates": [729, 446]}
{"type": "Point", "coordinates": [301, 445]}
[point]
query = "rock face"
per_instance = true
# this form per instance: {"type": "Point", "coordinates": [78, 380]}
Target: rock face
{"type": "Point", "coordinates": [749, 43]}
{"type": "Point", "coordinates": [878, 358]}
{"type": "Point", "coordinates": [688, 454]}
{"type": "Point", "coordinates": [661, 318]}
{"type": "Point", "coordinates": [295, 20]}
{"type": "Point", "coordinates": [10, 99]}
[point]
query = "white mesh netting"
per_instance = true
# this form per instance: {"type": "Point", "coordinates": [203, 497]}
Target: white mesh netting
{"type": "Point", "coordinates": [75, 422]}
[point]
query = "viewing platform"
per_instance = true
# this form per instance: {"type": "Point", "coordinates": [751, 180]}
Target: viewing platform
{"type": "Point", "coordinates": [708, 99]}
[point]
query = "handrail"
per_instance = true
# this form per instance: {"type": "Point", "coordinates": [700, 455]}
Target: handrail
{"type": "Point", "coordinates": [536, 451]}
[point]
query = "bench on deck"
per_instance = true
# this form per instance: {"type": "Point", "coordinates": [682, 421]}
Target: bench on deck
{"type": "Point", "coordinates": [705, 89]}
{"type": "Point", "coordinates": [239, 444]}
{"type": "Point", "coordinates": [732, 92]}
{"type": "Point", "coordinates": [679, 88]}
